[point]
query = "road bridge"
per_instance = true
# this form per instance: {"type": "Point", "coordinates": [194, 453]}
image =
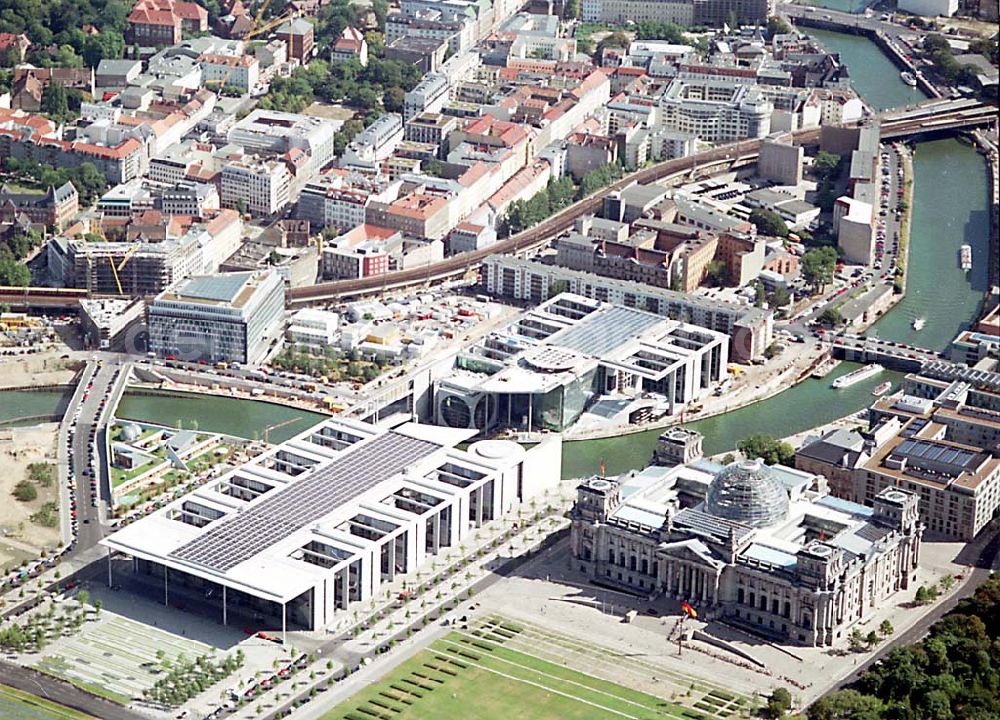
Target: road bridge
{"type": "Point", "coordinates": [897, 356]}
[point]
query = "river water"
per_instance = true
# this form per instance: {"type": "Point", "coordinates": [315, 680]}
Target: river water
{"type": "Point", "coordinates": [873, 75]}
{"type": "Point", "coordinates": [23, 404]}
{"type": "Point", "coordinates": [231, 416]}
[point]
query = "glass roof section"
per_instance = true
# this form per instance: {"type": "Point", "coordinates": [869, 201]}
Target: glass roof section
{"type": "Point", "coordinates": [601, 332]}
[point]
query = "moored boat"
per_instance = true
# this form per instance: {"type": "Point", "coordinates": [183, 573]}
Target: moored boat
{"type": "Point", "coordinates": [882, 388]}
{"type": "Point", "coordinates": [856, 376]}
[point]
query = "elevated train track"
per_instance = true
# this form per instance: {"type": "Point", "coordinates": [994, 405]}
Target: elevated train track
{"type": "Point", "coordinates": [937, 115]}
{"type": "Point", "coordinates": [933, 115]}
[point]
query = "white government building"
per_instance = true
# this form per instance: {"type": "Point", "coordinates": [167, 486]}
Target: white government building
{"type": "Point", "coordinates": [313, 527]}
{"type": "Point", "coordinates": [553, 363]}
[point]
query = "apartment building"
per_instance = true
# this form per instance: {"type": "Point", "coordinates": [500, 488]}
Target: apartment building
{"type": "Point", "coordinates": [122, 157]}
{"type": "Point", "coordinates": [260, 186]}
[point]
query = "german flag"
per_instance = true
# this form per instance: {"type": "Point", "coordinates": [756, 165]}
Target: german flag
{"type": "Point", "coordinates": [686, 607]}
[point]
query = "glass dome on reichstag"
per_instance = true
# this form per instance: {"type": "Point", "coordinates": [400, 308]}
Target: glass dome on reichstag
{"type": "Point", "coordinates": [747, 492]}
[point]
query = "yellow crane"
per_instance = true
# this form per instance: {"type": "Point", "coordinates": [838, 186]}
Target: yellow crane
{"type": "Point", "coordinates": [115, 270]}
{"type": "Point", "coordinates": [268, 26]}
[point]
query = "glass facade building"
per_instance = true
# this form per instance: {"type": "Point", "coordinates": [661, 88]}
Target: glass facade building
{"type": "Point", "coordinates": [232, 317]}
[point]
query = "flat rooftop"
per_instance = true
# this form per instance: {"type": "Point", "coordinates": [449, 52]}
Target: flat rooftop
{"type": "Point", "coordinates": [356, 470]}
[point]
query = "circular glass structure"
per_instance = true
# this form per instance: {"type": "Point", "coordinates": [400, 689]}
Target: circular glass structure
{"type": "Point", "coordinates": [748, 493]}
{"type": "Point", "coordinates": [130, 433]}
{"type": "Point", "coordinates": [455, 412]}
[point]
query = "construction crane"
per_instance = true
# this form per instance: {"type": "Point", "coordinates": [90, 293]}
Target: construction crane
{"type": "Point", "coordinates": [268, 26]}
{"type": "Point", "coordinates": [115, 270]}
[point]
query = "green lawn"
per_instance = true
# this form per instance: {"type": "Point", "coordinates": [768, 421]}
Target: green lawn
{"type": "Point", "coordinates": [463, 676]}
{"type": "Point", "coordinates": [17, 705]}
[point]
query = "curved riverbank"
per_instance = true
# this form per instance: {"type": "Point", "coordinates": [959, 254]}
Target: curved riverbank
{"type": "Point", "coordinates": [214, 413]}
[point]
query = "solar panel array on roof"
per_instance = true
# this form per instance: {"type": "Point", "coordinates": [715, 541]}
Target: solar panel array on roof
{"type": "Point", "coordinates": [222, 288]}
{"type": "Point", "coordinates": [933, 452]}
{"type": "Point", "coordinates": [601, 332]}
{"type": "Point", "coordinates": [358, 469]}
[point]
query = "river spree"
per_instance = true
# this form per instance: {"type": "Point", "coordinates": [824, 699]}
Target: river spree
{"type": "Point", "coordinates": [950, 201]}
{"type": "Point", "coordinates": [810, 403]}
{"type": "Point", "coordinates": [231, 416]}
{"type": "Point", "coordinates": [36, 406]}
{"type": "Point", "coordinates": [873, 75]}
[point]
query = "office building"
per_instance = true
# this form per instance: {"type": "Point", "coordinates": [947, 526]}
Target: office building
{"type": "Point", "coordinates": [241, 72]}
{"type": "Point", "coordinates": [780, 160]}
{"type": "Point", "coordinates": [544, 370]}
{"type": "Point", "coordinates": [259, 186]}
{"type": "Point", "coordinates": [853, 222]}
{"type": "Point", "coordinates": [429, 95]}
{"type": "Point", "coordinates": [279, 133]}
{"type": "Point", "coordinates": [232, 317]}
{"type": "Point", "coordinates": [313, 329]}
{"type": "Point", "coordinates": [750, 329]}
{"type": "Point", "coordinates": [715, 109]}
{"type": "Point", "coordinates": [374, 144]}
{"type": "Point", "coordinates": [105, 322]}
{"type": "Point", "coordinates": [312, 530]}
{"type": "Point", "coordinates": [939, 438]}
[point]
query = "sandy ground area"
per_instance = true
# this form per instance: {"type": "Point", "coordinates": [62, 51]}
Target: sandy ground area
{"type": "Point", "coordinates": [19, 447]}
{"type": "Point", "coordinates": [330, 112]}
{"type": "Point", "coordinates": [45, 368]}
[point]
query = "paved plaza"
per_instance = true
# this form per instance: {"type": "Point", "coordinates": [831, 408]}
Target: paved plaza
{"type": "Point", "coordinates": [117, 658]}
{"type": "Point", "coordinates": [134, 641]}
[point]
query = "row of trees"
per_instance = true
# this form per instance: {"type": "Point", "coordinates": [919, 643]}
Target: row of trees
{"type": "Point", "coordinates": [558, 194]}
{"type": "Point", "coordinates": [827, 168]}
{"type": "Point", "coordinates": [523, 214]}
{"type": "Point", "coordinates": [952, 674]}
{"type": "Point", "coordinates": [186, 678]}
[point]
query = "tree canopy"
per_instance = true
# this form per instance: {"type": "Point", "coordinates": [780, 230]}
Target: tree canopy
{"type": "Point", "coordinates": [952, 674]}
{"type": "Point", "coordinates": [59, 24]}
{"type": "Point", "coordinates": [818, 266]}
{"type": "Point", "coordinates": [768, 223]}
{"type": "Point", "coordinates": [768, 448]}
